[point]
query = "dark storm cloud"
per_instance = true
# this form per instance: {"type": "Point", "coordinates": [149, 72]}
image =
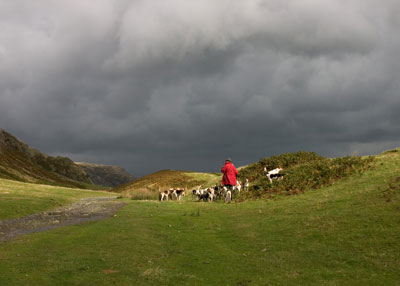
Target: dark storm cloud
{"type": "Point", "coordinates": [151, 85]}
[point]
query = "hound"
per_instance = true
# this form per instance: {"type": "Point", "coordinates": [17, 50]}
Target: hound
{"type": "Point", "coordinates": [205, 197]}
{"type": "Point", "coordinates": [211, 194]}
{"type": "Point", "coordinates": [179, 193]}
{"type": "Point", "coordinates": [217, 192]}
{"type": "Point", "coordinates": [164, 194]}
{"type": "Point", "coordinates": [199, 193]}
{"type": "Point", "coordinates": [237, 187]}
{"type": "Point", "coordinates": [196, 193]}
{"type": "Point", "coordinates": [273, 174]}
{"type": "Point", "coordinates": [246, 185]}
{"type": "Point", "coordinates": [226, 194]}
{"type": "Point", "coordinates": [208, 194]}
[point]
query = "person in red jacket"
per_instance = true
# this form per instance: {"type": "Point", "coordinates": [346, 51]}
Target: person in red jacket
{"type": "Point", "coordinates": [230, 174]}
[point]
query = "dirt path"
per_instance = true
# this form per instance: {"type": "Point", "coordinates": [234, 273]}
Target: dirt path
{"type": "Point", "coordinates": [88, 209]}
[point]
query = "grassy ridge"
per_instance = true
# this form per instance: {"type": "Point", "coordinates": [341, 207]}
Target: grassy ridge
{"type": "Point", "coordinates": [344, 234]}
{"type": "Point", "coordinates": [148, 186]}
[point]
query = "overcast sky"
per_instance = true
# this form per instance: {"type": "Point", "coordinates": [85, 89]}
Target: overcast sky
{"type": "Point", "coordinates": [183, 84]}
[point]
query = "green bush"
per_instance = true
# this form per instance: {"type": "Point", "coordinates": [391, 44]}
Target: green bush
{"type": "Point", "coordinates": [393, 151]}
{"type": "Point", "coordinates": [255, 172]}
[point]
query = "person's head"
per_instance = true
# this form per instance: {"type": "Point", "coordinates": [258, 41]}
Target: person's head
{"type": "Point", "coordinates": [228, 160]}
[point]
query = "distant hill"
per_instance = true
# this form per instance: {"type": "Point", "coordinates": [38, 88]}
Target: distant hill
{"type": "Point", "coordinates": [108, 176]}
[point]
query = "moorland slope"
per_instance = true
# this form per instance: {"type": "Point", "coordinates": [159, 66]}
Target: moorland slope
{"type": "Point", "coordinates": [20, 162]}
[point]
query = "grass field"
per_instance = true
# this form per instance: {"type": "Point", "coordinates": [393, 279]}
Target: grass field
{"type": "Point", "coordinates": [344, 234]}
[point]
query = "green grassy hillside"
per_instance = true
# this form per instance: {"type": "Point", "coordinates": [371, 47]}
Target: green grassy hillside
{"type": "Point", "coordinates": [347, 233]}
{"type": "Point", "coordinates": [302, 171]}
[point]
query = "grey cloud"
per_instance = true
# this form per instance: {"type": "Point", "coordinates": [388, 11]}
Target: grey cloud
{"type": "Point", "coordinates": [151, 85]}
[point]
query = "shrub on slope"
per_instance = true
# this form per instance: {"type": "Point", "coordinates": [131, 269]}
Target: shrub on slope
{"type": "Point", "coordinates": [255, 172]}
{"type": "Point", "coordinates": [302, 171]}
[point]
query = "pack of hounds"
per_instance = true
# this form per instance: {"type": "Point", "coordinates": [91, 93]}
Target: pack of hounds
{"type": "Point", "coordinates": [208, 194]}
{"type": "Point", "coordinates": [213, 193]}
{"type": "Point", "coordinates": [219, 192]}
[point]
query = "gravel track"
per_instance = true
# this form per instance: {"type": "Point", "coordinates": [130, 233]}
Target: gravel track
{"type": "Point", "coordinates": [89, 209]}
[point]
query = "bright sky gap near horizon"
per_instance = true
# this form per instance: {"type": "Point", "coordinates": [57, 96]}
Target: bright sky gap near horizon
{"type": "Point", "coordinates": [150, 85]}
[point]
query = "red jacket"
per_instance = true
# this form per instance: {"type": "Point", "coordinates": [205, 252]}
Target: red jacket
{"type": "Point", "coordinates": [230, 174]}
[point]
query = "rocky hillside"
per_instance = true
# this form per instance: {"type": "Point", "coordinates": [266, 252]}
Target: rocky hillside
{"type": "Point", "coordinates": [108, 176]}
{"type": "Point", "coordinates": [20, 162]}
